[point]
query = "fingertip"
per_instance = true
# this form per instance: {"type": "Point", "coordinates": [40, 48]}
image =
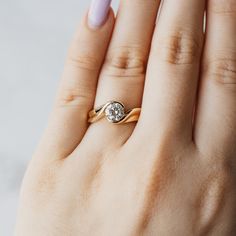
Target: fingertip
{"type": "Point", "coordinates": [106, 24]}
{"type": "Point", "coordinates": [98, 13]}
{"type": "Point", "coordinates": [85, 33]}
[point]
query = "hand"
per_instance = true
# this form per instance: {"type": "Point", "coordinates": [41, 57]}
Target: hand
{"type": "Point", "coordinates": [172, 172]}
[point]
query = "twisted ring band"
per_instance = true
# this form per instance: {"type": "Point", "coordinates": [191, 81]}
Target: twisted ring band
{"type": "Point", "coordinates": [115, 113]}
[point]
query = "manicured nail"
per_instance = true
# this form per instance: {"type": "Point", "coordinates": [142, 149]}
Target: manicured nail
{"type": "Point", "coordinates": [98, 12]}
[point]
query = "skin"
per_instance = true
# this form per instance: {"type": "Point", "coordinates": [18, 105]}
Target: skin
{"type": "Point", "coordinates": [171, 173]}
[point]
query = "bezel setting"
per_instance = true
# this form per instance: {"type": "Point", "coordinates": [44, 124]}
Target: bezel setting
{"type": "Point", "coordinates": [115, 112]}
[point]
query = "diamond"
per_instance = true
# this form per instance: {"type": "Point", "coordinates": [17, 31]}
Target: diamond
{"type": "Point", "coordinates": [115, 112]}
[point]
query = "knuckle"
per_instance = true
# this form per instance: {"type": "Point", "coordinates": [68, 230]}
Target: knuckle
{"type": "Point", "coordinates": [179, 48]}
{"type": "Point", "coordinates": [223, 7]}
{"type": "Point", "coordinates": [84, 62]}
{"type": "Point", "coordinates": [74, 97]}
{"type": "Point", "coordinates": [223, 71]}
{"type": "Point", "coordinates": [125, 62]}
{"type": "Point", "coordinates": [213, 195]}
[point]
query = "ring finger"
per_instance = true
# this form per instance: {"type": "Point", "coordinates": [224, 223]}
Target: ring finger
{"type": "Point", "coordinates": [123, 73]}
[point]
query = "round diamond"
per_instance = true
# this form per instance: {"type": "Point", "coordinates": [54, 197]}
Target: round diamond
{"type": "Point", "coordinates": [115, 112]}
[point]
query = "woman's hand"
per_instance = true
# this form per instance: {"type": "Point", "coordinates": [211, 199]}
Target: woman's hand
{"type": "Point", "coordinates": [172, 173]}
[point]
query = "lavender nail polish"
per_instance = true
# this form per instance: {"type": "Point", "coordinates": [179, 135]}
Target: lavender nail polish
{"type": "Point", "coordinates": [98, 12]}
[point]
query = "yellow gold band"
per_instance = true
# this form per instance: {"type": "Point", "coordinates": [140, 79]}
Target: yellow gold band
{"type": "Point", "coordinates": [115, 113]}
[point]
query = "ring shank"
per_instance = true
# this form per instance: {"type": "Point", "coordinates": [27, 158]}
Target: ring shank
{"type": "Point", "coordinates": [99, 113]}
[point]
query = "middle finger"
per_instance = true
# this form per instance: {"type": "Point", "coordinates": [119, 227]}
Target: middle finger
{"type": "Point", "coordinates": [173, 68]}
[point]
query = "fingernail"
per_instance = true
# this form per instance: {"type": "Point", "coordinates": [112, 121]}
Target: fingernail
{"type": "Point", "coordinates": [98, 12]}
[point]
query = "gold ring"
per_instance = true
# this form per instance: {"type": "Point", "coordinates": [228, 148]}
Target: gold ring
{"type": "Point", "coordinates": [115, 113]}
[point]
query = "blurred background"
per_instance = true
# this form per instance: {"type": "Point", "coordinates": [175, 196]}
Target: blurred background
{"type": "Point", "coordinates": [34, 37]}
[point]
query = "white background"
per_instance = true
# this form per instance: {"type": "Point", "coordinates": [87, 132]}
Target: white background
{"type": "Point", "coordinates": [34, 36]}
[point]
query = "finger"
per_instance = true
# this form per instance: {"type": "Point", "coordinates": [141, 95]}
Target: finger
{"type": "Point", "coordinates": [216, 115]}
{"type": "Point", "coordinates": [173, 69]}
{"type": "Point", "coordinates": [76, 94]}
{"type": "Point", "coordinates": [123, 73]}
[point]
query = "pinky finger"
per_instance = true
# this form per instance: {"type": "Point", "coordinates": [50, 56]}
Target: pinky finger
{"type": "Point", "coordinates": [68, 121]}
